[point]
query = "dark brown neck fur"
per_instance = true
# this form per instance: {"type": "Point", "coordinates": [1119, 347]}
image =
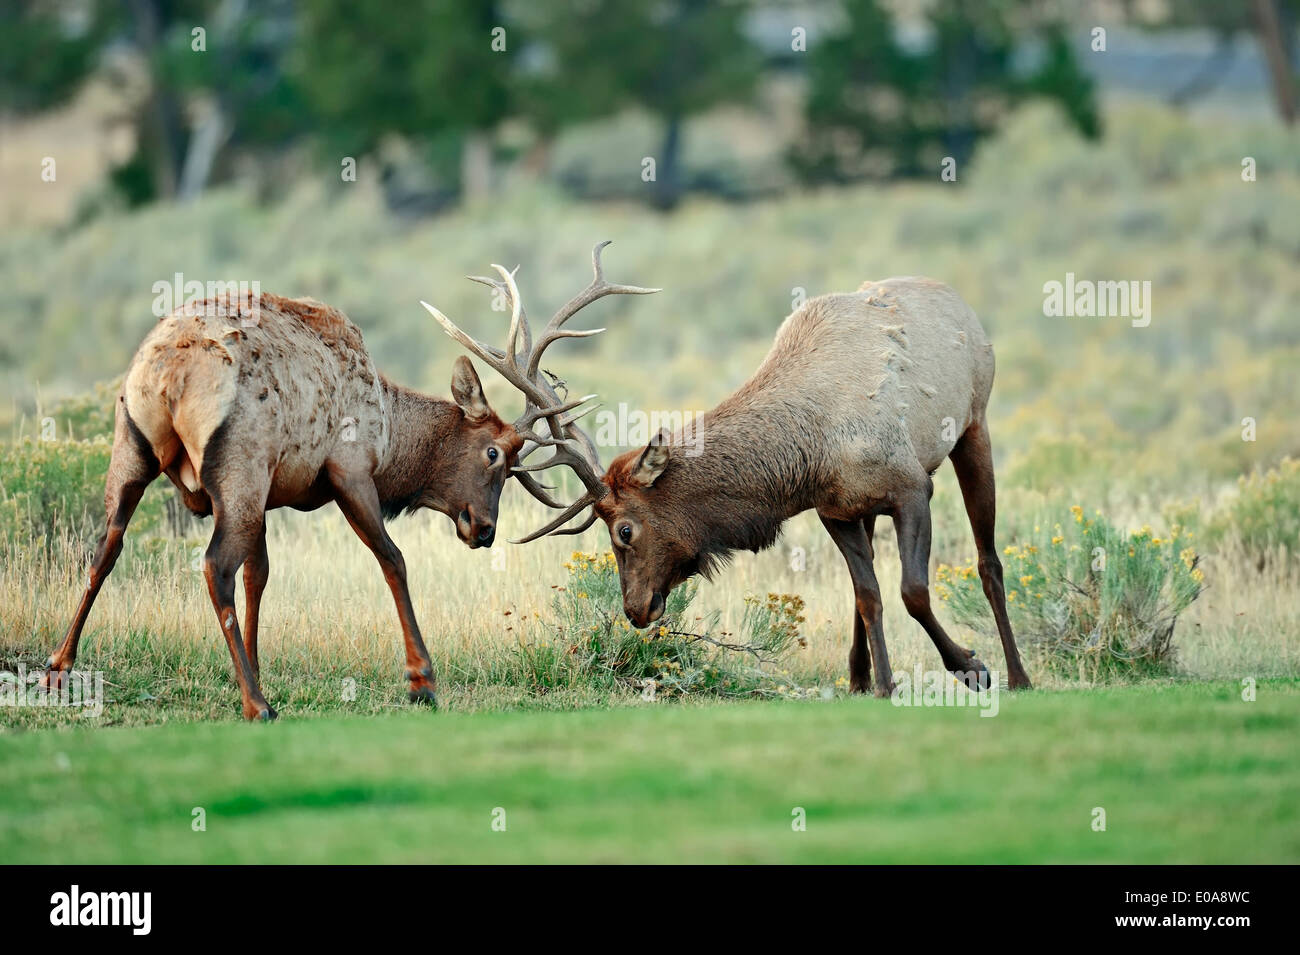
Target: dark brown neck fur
{"type": "Point", "coordinates": [422, 427]}
{"type": "Point", "coordinates": [752, 474]}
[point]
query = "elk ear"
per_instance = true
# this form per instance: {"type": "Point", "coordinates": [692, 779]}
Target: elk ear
{"type": "Point", "coordinates": [652, 462]}
{"type": "Point", "coordinates": [467, 390]}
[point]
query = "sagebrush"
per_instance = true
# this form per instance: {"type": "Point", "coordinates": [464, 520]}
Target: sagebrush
{"type": "Point", "coordinates": [1088, 598]}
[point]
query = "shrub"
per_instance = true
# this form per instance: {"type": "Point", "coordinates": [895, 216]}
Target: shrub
{"type": "Point", "coordinates": [55, 489]}
{"type": "Point", "coordinates": [677, 655]}
{"type": "Point", "coordinates": [1088, 599]}
{"type": "Point", "coordinates": [87, 415]}
{"type": "Point", "coordinates": [49, 488]}
{"type": "Point", "coordinates": [1265, 514]}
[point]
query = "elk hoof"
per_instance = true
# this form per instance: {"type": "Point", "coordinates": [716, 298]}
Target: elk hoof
{"type": "Point", "coordinates": [883, 692]}
{"type": "Point", "coordinates": [975, 676]}
{"type": "Point", "coordinates": [1019, 681]}
{"type": "Point", "coordinates": [860, 684]}
{"type": "Point", "coordinates": [262, 713]}
{"type": "Point", "coordinates": [423, 696]}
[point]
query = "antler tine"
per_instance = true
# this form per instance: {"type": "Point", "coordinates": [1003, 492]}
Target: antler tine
{"type": "Point", "coordinates": [531, 414]}
{"type": "Point", "coordinates": [578, 461]}
{"type": "Point", "coordinates": [576, 528]}
{"type": "Point", "coordinates": [597, 289]}
{"type": "Point", "coordinates": [493, 356]}
{"type": "Point", "coordinates": [532, 441]}
{"type": "Point", "coordinates": [571, 445]}
{"type": "Point", "coordinates": [537, 489]}
{"type": "Point", "coordinates": [569, 513]}
{"type": "Point", "coordinates": [517, 316]}
{"type": "Point", "coordinates": [503, 287]}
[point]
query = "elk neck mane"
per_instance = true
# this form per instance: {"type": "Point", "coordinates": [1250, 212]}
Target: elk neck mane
{"type": "Point", "coordinates": [753, 471]}
{"type": "Point", "coordinates": [421, 427]}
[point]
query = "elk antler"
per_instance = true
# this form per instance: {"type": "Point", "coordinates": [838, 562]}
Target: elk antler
{"type": "Point", "coordinates": [520, 364]}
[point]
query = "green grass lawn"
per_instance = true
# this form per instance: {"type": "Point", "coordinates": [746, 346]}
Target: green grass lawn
{"type": "Point", "coordinates": [1185, 773]}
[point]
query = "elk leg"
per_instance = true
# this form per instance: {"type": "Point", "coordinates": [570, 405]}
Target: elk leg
{"type": "Point", "coordinates": [130, 471]}
{"type": "Point", "coordinates": [233, 541]}
{"type": "Point", "coordinates": [972, 459]}
{"type": "Point", "coordinates": [854, 539]}
{"type": "Point", "coordinates": [359, 502]}
{"type": "Point", "coordinates": [912, 524]}
{"type": "Point", "coordinates": [256, 571]}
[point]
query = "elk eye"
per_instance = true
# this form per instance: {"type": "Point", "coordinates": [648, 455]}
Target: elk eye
{"type": "Point", "coordinates": [492, 454]}
{"type": "Point", "coordinates": [625, 534]}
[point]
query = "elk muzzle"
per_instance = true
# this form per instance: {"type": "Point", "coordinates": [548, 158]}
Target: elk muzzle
{"type": "Point", "coordinates": [646, 614]}
{"type": "Point", "coordinates": [474, 531]}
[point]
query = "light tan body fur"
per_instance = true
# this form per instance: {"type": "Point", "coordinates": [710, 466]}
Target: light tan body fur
{"type": "Point", "coordinates": [295, 374]}
{"type": "Point", "coordinates": [877, 386]}
{"type": "Point", "coordinates": [252, 404]}
{"type": "Point", "coordinates": [859, 401]}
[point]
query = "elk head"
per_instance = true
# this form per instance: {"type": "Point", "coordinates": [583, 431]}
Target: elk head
{"type": "Point", "coordinates": [655, 516]}
{"type": "Point", "coordinates": [488, 449]}
{"type": "Point", "coordinates": [656, 547]}
{"type": "Point", "coordinates": [654, 550]}
{"type": "Point", "coordinates": [547, 419]}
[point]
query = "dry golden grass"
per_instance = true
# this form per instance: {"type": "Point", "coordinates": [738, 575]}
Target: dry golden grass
{"type": "Point", "coordinates": [327, 606]}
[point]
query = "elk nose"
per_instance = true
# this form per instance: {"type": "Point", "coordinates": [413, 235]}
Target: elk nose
{"type": "Point", "coordinates": [645, 615]}
{"type": "Point", "coordinates": [487, 534]}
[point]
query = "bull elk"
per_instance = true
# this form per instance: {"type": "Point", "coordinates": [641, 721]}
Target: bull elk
{"type": "Point", "coordinates": [858, 402]}
{"type": "Point", "coordinates": [253, 403]}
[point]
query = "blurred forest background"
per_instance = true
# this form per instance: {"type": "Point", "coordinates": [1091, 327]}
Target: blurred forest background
{"type": "Point", "coordinates": [370, 154]}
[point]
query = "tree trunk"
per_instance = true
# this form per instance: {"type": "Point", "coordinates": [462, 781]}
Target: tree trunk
{"type": "Point", "coordinates": [476, 165]}
{"type": "Point", "coordinates": [215, 128]}
{"type": "Point", "coordinates": [668, 178]}
{"type": "Point", "coordinates": [205, 143]}
{"type": "Point", "coordinates": [160, 140]}
{"type": "Point", "coordinates": [1275, 51]}
{"type": "Point", "coordinates": [1209, 74]}
{"type": "Point", "coordinates": [158, 126]}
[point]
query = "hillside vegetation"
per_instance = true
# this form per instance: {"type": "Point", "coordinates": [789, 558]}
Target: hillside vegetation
{"type": "Point", "coordinates": [1159, 199]}
{"type": "Point", "coordinates": [1146, 425]}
